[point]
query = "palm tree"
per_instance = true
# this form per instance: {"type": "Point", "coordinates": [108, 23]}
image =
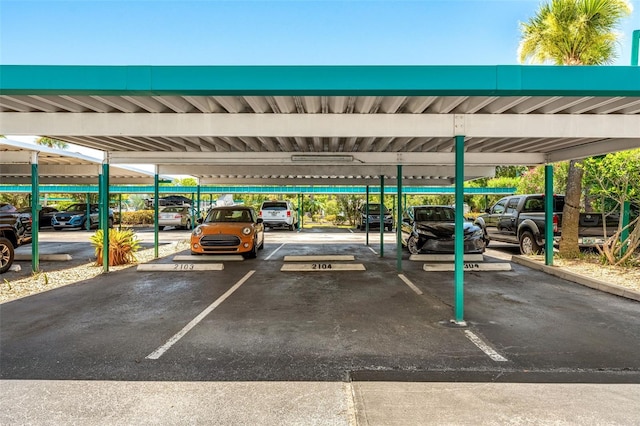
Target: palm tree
{"type": "Point", "coordinates": [52, 143]}
{"type": "Point", "coordinates": [573, 32]}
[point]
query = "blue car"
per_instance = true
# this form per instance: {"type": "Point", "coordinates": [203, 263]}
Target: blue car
{"type": "Point", "coordinates": [75, 217]}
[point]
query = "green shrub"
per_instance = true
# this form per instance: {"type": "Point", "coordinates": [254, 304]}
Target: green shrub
{"type": "Point", "coordinates": [340, 220]}
{"type": "Point", "coordinates": [330, 218]}
{"type": "Point", "coordinates": [122, 246]}
{"type": "Point", "coordinates": [140, 217]}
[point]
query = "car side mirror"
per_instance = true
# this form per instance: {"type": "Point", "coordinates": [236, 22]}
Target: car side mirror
{"type": "Point", "coordinates": [487, 210]}
{"type": "Point", "coordinates": [260, 220]}
{"type": "Point", "coordinates": [200, 220]}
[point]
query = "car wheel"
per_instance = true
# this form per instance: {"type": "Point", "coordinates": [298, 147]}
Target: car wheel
{"type": "Point", "coordinates": [188, 226]}
{"type": "Point", "coordinates": [6, 255]}
{"type": "Point", "coordinates": [528, 244]}
{"type": "Point", "coordinates": [290, 227]}
{"type": "Point", "coordinates": [261, 246]}
{"type": "Point", "coordinates": [252, 254]}
{"type": "Point", "coordinates": [110, 223]}
{"type": "Point", "coordinates": [412, 245]}
{"type": "Point", "coordinates": [160, 228]}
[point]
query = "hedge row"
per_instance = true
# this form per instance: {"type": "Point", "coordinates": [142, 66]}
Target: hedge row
{"type": "Point", "coordinates": [140, 217]}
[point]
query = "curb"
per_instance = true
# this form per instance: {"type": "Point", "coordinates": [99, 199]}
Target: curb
{"type": "Point", "coordinates": [579, 279]}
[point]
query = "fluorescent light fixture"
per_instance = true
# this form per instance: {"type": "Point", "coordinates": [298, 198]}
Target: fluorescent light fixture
{"type": "Point", "coordinates": [322, 158]}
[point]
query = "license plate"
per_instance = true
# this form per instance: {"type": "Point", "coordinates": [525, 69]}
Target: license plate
{"type": "Point", "coordinates": [274, 213]}
{"type": "Point", "coordinates": [62, 223]}
{"type": "Point", "coordinates": [587, 240]}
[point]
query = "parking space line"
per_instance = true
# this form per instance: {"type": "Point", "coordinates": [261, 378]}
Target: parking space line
{"type": "Point", "coordinates": [374, 252]}
{"type": "Point", "coordinates": [173, 340]}
{"type": "Point", "coordinates": [410, 284]}
{"type": "Point", "coordinates": [274, 252]}
{"type": "Point", "coordinates": [484, 347]}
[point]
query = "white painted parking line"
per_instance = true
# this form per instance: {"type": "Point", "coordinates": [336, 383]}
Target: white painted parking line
{"type": "Point", "coordinates": [48, 257]}
{"type": "Point", "coordinates": [374, 252]}
{"type": "Point", "coordinates": [410, 284]}
{"type": "Point", "coordinates": [484, 347]}
{"type": "Point", "coordinates": [274, 252]}
{"type": "Point", "coordinates": [351, 230]}
{"type": "Point", "coordinates": [179, 267]}
{"type": "Point", "coordinates": [207, 258]}
{"type": "Point", "coordinates": [162, 349]}
{"type": "Point", "coordinates": [321, 258]}
{"type": "Point", "coordinates": [468, 267]}
{"type": "Point", "coordinates": [322, 267]}
{"type": "Point", "coordinates": [15, 268]}
{"type": "Point", "coordinates": [445, 257]}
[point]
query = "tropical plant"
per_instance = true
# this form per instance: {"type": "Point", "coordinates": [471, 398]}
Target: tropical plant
{"type": "Point", "coordinates": [573, 32]}
{"type": "Point", "coordinates": [123, 245]}
{"type": "Point", "coordinates": [52, 143]}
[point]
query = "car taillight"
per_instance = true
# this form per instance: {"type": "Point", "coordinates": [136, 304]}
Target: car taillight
{"type": "Point", "coordinates": [288, 213]}
{"type": "Point", "coordinates": [260, 214]}
{"type": "Point", "coordinates": [555, 223]}
{"type": "Point", "coordinates": [178, 216]}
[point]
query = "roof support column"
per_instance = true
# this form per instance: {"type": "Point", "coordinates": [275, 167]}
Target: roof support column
{"type": "Point", "coordinates": [366, 217]}
{"type": "Point", "coordinates": [381, 216]}
{"type": "Point", "coordinates": [635, 47]}
{"type": "Point", "coordinates": [548, 214]}
{"type": "Point", "coordinates": [399, 221]}
{"type": "Point", "coordinates": [198, 205]}
{"type": "Point", "coordinates": [104, 213]}
{"type": "Point", "coordinates": [35, 212]}
{"type": "Point", "coordinates": [459, 233]}
{"type": "Point", "coordinates": [156, 201]}
{"type": "Point", "coordinates": [299, 212]}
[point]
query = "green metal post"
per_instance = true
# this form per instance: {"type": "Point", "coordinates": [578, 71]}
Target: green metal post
{"type": "Point", "coordinates": [87, 223]}
{"type": "Point", "coordinates": [459, 232]}
{"type": "Point", "coordinates": [104, 214]}
{"type": "Point", "coordinates": [35, 213]}
{"type": "Point", "coordinates": [635, 47]}
{"type": "Point", "coordinates": [548, 214]}
{"type": "Point", "coordinates": [381, 216]}
{"type": "Point", "coordinates": [626, 214]}
{"type": "Point", "coordinates": [156, 199]}
{"type": "Point", "coordinates": [399, 222]}
{"type": "Point", "coordinates": [299, 212]}
{"type": "Point", "coordinates": [198, 198]}
{"type": "Point", "coordinates": [119, 212]}
{"type": "Point", "coordinates": [366, 213]}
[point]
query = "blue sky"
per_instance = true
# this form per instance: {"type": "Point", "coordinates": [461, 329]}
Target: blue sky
{"type": "Point", "coordinates": [295, 32]}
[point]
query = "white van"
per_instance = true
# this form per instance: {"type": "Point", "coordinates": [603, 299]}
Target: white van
{"type": "Point", "coordinates": [279, 214]}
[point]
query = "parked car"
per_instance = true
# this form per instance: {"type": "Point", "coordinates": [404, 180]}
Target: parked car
{"type": "Point", "coordinates": [431, 229]}
{"type": "Point", "coordinates": [44, 216]}
{"type": "Point", "coordinates": [21, 222]}
{"type": "Point", "coordinates": [75, 217]}
{"type": "Point", "coordinates": [279, 214]}
{"type": "Point", "coordinates": [15, 230]}
{"type": "Point", "coordinates": [229, 230]}
{"type": "Point", "coordinates": [171, 200]}
{"type": "Point", "coordinates": [374, 217]}
{"type": "Point", "coordinates": [520, 219]}
{"type": "Point", "coordinates": [176, 216]}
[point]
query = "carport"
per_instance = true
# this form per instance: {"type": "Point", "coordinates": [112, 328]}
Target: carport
{"type": "Point", "coordinates": [336, 125]}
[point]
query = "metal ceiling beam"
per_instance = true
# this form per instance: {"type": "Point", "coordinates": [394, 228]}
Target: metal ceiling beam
{"type": "Point", "coordinates": [320, 125]}
{"type": "Point", "coordinates": [317, 159]}
{"type": "Point", "coordinates": [320, 181]}
{"type": "Point", "coordinates": [594, 148]}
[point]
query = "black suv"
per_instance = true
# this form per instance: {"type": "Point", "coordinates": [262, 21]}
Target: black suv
{"type": "Point", "coordinates": [15, 230]}
{"type": "Point", "coordinates": [374, 217]}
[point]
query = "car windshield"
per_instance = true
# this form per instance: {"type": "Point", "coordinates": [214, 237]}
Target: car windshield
{"type": "Point", "coordinates": [229, 215]}
{"type": "Point", "coordinates": [274, 206]}
{"type": "Point", "coordinates": [175, 210]}
{"type": "Point", "coordinates": [77, 208]}
{"type": "Point", "coordinates": [7, 208]}
{"type": "Point", "coordinates": [434, 214]}
{"type": "Point", "coordinates": [374, 209]}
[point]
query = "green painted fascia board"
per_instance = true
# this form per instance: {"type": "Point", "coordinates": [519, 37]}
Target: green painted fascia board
{"type": "Point", "coordinates": [499, 80]}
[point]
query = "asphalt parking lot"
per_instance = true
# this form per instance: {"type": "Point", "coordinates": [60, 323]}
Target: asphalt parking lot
{"type": "Point", "coordinates": [258, 323]}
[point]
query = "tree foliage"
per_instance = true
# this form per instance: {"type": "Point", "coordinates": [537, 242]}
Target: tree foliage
{"type": "Point", "coordinates": [52, 143]}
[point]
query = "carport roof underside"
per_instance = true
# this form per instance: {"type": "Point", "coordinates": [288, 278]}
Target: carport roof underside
{"type": "Point", "coordinates": [333, 124]}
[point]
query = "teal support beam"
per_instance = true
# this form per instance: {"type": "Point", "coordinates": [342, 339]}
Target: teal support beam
{"type": "Point", "coordinates": [626, 215]}
{"type": "Point", "coordinates": [198, 207]}
{"type": "Point", "coordinates": [87, 223]}
{"type": "Point", "coordinates": [366, 212]}
{"type": "Point", "coordinates": [299, 212]}
{"type": "Point", "coordinates": [156, 210]}
{"type": "Point", "coordinates": [193, 210]}
{"type": "Point", "coordinates": [399, 222]}
{"type": "Point", "coordinates": [459, 233]}
{"type": "Point", "coordinates": [635, 47]}
{"type": "Point", "coordinates": [104, 214]}
{"type": "Point", "coordinates": [548, 214]}
{"type": "Point", "coordinates": [381, 216]}
{"type": "Point", "coordinates": [119, 212]}
{"type": "Point", "coordinates": [35, 213]}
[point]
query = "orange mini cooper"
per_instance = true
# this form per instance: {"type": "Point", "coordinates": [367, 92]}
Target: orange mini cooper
{"type": "Point", "coordinates": [229, 230]}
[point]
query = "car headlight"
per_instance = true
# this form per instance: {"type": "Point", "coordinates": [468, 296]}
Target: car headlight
{"type": "Point", "coordinates": [197, 231]}
{"type": "Point", "coordinates": [246, 231]}
{"type": "Point", "coordinates": [477, 233]}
